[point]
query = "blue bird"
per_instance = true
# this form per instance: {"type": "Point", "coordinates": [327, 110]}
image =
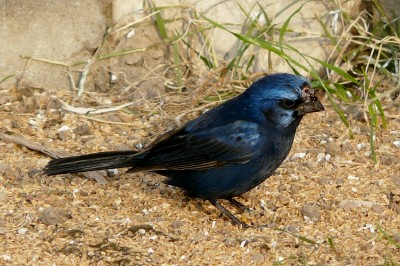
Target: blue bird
{"type": "Point", "coordinates": [224, 152]}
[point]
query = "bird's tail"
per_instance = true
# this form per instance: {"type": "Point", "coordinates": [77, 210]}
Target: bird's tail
{"type": "Point", "coordinates": [93, 162]}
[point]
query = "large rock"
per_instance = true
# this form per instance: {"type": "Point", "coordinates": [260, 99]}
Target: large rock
{"type": "Point", "coordinates": [57, 34]}
{"type": "Point", "coordinates": [52, 31]}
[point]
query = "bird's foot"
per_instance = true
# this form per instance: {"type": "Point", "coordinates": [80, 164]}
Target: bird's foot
{"type": "Point", "coordinates": [240, 206]}
{"type": "Point", "coordinates": [233, 218]}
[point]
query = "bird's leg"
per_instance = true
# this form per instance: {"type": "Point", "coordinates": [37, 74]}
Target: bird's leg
{"type": "Point", "coordinates": [234, 219]}
{"type": "Point", "coordinates": [239, 205]}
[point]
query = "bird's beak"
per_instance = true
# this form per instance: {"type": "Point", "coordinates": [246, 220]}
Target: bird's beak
{"type": "Point", "coordinates": [310, 104]}
{"type": "Point", "coordinates": [310, 107]}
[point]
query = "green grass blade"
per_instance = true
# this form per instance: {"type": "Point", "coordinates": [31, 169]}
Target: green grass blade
{"type": "Point", "coordinates": [287, 7]}
{"type": "Point", "coordinates": [5, 78]}
{"type": "Point", "coordinates": [332, 246]}
{"type": "Point", "coordinates": [372, 134]}
{"type": "Point", "coordinates": [205, 60]}
{"type": "Point", "coordinates": [327, 33]}
{"type": "Point", "coordinates": [336, 69]}
{"type": "Point", "coordinates": [177, 62]}
{"type": "Point", "coordinates": [388, 237]}
{"type": "Point", "coordinates": [267, 19]}
{"type": "Point", "coordinates": [160, 22]}
{"type": "Point", "coordinates": [301, 238]}
{"type": "Point", "coordinates": [286, 24]}
{"type": "Point", "coordinates": [250, 62]}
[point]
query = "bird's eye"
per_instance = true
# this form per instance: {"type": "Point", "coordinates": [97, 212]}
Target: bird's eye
{"type": "Point", "coordinates": [288, 103]}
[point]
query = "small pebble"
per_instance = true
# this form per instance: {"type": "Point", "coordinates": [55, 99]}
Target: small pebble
{"type": "Point", "coordinates": [177, 224]}
{"type": "Point", "coordinates": [396, 180]}
{"type": "Point", "coordinates": [389, 159]}
{"type": "Point", "coordinates": [230, 242]}
{"type": "Point", "coordinates": [377, 208]}
{"type": "Point", "coordinates": [22, 230]}
{"type": "Point", "coordinates": [299, 155]}
{"type": "Point", "coordinates": [4, 167]}
{"type": "Point", "coordinates": [333, 148]}
{"type": "Point", "coordinates": [6, 257]}
{"type": "Point", "coordinates": [312, 211]}
{"type": "Point", "coordinates": [3, 196]}
{"type": "Point", "coordinates": [359, 146]}
{"type": "Point", "coordinates": [353, 178]}
{"type": "Point", "coordinates": [257, 257]}
{"type": "Point", "coordinates": [396, 143]}
{"type": "Point", "coordinates": [82, 130]}
{"type": "Point", "coordinates": [293, 229]}
{"type": "Point", "coordinates": [63, 128]}
{"type": "Point", "coordinates": [321, 157]}
{"type": "Point", "coordinates": [53, 216]}
{"type": "Point", "coordinates": [355, 204]}
{"type": "Point", "coordinates": [32, 123]}
{"type": "Point", "coordinates": [65, 135]}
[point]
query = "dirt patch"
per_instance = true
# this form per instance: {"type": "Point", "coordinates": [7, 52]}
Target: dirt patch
{"type": "Point", "coordinates": [327, 204]}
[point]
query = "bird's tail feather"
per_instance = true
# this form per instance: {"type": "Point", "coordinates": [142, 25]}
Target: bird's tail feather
{"type": "Point", "coordinates": [93, 162]}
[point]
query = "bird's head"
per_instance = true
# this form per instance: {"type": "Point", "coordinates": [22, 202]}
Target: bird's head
{"type": "Point", "coordinates": [284, 98]}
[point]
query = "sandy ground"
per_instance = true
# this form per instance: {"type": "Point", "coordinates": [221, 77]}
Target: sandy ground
{"type": "Point", "coordinates": [327, 204]}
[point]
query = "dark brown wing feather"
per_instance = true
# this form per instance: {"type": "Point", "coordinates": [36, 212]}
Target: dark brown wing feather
{"type": "Point", "coordinates": [180, 150]}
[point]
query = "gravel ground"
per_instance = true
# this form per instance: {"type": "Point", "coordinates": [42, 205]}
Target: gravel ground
{"type": "Point", "coordinates": [327, 204]}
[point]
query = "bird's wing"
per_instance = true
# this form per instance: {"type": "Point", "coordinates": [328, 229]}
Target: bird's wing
{"type": "Point", "coordinates": [233, 143]}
